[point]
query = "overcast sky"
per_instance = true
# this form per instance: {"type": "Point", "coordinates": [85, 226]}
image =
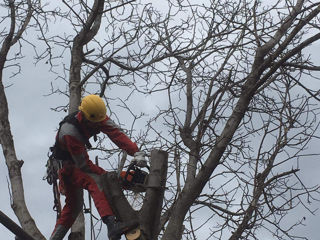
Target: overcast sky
{"type": "Point", "coordinates": [33, 126]}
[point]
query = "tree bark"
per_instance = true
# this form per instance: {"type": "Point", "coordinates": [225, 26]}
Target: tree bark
{"type": "Point", "coordinates": [149, 215]}
{"type": "Point", "coordinates": [152, 205]}
{"type": "Point", "coordinates": [14, 165]}
{"type": "Point", "coordinates": [14, 228]}
{"type": "Point", "coordinates": [118, 202]}
{"type": "Point", "coordinates": [88, 31]}
{"type": "Point", "coordinates": [78, 228]}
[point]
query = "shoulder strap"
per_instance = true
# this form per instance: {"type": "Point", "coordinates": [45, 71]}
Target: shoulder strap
{"type": "Point", "coordinates": [71, 118]}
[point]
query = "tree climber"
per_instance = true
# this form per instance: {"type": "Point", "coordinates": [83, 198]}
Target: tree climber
{"type": "Point", "coordinates": [78, 172]}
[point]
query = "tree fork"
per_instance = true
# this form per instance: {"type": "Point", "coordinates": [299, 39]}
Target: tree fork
{"type": "Point", "coordinates": [149, 215]}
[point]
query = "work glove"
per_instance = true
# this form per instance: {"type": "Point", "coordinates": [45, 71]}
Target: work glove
{"type": "Point", "coordinates": [139, 159]}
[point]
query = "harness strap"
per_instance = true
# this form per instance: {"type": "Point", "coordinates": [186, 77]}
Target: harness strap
{"type": "Point", "coordinates": [56, 195]}
{"type": "Point", "coordinates": [58, 154]}
{"type": "Point", "coordinates": [57, 151]}
{"type": "Point", "coordinates": [71, 118]}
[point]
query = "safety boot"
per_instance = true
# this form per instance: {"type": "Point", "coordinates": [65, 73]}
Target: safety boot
{"type": "Point", "coordinates": [116, 229]}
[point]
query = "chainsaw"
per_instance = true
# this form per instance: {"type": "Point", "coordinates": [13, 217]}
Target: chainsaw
{"type": "Point", "coordinates": [134, 179]}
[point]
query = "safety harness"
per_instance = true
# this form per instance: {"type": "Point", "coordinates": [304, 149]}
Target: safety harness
{"type": "Point", "coordinates": [56, 157]}
{"type": "Point", "coordinates": [133, 179]}
{"type": "Point", "coordinates": [56, 150]}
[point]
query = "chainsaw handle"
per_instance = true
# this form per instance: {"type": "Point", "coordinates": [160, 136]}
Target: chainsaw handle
{"type": "Point", "coordinates": [132, 167]}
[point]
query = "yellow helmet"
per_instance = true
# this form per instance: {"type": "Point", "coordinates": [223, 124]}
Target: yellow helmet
{"type": "Point", "coordinates": [93, 108]}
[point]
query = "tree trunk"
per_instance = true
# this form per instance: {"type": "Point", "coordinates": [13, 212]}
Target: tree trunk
{"type": "Point", "coordinates": [152, 205]}
{"type": "Point", "coordinates": [193, 189]}
{"type": "Point", "coordinates": [78, 228]}
{"type": "Point", "coordinates": [14, 166]}
{"type": "Point", "coordinates": [86, 34]}
{"type": "Point", "coordinates": [14, 228]}
{"type": "Point", "coordinates": [149, 216]}
{"type": "Point", "coordinates": [118, 202]}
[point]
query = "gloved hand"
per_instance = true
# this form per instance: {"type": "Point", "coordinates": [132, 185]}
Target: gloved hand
{"type": "Point", "coordinates": [139, 159]}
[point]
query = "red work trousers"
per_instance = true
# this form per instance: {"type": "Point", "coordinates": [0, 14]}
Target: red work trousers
{"type": "Point", "coordinates": [72, 181]}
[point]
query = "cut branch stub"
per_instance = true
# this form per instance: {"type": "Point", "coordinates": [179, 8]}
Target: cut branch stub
{"type": "Point", "coordinates": [152, 205]}
{"type": "Point", "coordinates": [118, 202]}
{"type": "Point", "coordinates": [150, 212]}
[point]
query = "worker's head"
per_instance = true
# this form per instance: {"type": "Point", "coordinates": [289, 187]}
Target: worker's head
{"type": "Point", "coordinates": [93, 108]}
